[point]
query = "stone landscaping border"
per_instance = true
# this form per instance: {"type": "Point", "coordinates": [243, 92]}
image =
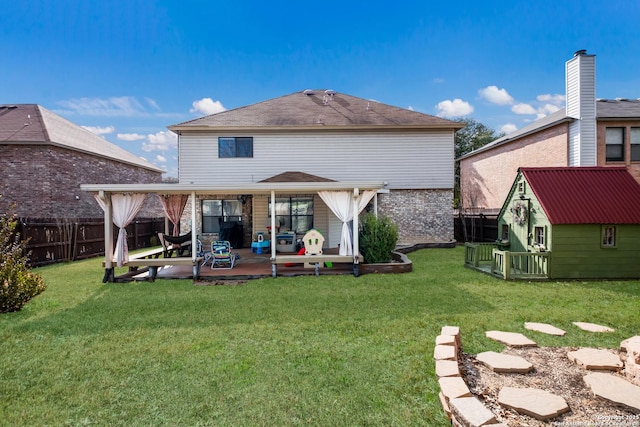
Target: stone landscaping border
{"type": "Point", "coordinates": [465, 410]}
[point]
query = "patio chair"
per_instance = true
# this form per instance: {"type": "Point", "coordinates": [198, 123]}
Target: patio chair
{"type": "Point", "coordinates": [221, 254]}
{"type": "Point", "coordinates": [206, 255]}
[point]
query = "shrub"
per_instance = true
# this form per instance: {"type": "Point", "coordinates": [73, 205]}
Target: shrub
{"type": "Point", "coordinates": [17, 284]}
{"type": "Point", "coordinates": [378, 238]}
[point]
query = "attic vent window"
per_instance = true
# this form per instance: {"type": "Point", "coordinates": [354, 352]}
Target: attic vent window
{"type": "Point", "coordinates": [521, 187]}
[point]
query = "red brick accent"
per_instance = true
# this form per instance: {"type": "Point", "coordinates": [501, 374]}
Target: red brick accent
{"type": "Point", "coordinates": [44, 181]}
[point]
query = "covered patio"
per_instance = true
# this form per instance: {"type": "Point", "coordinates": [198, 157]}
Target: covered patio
{"type": "Point", "coordinates": [116, 199]}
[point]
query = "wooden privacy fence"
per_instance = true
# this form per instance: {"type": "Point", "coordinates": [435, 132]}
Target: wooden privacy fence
{"type": "Point", "coordinates": [62, 239]}
{"type": "Point", "coordinates": [475, 228]}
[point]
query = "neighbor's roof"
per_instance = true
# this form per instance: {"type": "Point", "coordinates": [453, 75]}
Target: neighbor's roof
{"type": "Point", "coordinates": [317, 109]}
{"type": "Point", "coordinates": [33, 124]}
{"type": "Point", "coordinates": [606, 109]}
{"type": "Point", "coordinates": [586, 195]}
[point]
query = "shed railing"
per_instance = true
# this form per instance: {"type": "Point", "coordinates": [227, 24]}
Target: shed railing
{"type": "Point", "coordinates": [475, 253]}
{"type": "Point", "coordinates": [520, 265]}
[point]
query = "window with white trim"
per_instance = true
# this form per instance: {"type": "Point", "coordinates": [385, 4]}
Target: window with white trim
{"type": "Point", "coordinates": [635, 144]}
{"type": "Point", "coordinates": [609, 236]}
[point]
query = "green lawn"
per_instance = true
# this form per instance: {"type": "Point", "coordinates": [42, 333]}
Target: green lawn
{"type": "Point", "coordinates": [320, 351]}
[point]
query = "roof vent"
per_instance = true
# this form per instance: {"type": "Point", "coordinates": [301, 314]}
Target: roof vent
{"type": "Point", "coordinates": [580, 52]}
{"type": "Point", "coordinates": [328, 96]}
{"type": "Point", "coordinates": [309, 92]}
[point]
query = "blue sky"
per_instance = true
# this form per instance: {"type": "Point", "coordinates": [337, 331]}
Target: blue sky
{"type": "Point", "coordinates": [128, 69]}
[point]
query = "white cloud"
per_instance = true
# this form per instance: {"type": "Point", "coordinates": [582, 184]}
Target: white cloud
{"type": "Point", "coordinates": [100, 130]}
{"type": "Point", "coordinates": [161, 141]}
{"type": "Point", "coordinates": [130, 136]}
{"type": "Point", "coordinates": [556, 99]}
{"type": "Point", "coordinates": [548, 109]}
{"type": "Point", "coordinates": [508, 128]}
{"type": "Point", "coordinates": [206, 106]}
{"type": "Point", "coordinates": [455, 108]}
{"type": "Point", "coordinates": [123, 106]}
{"type": "Point", "coordinates": [161, 159]}
{"type": "Point", "coordinates": [496, 96]}
{"type": "Point", "coordinates": [523, 109]}
{"type": "Point", "coordinates": [438, 80]}
{"type": "Point", "coordinates": [152, 103]}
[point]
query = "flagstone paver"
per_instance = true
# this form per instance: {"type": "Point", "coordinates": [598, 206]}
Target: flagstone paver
{"type": "Point", "coordinates": [630, 342]}
{"type": "Point", "coordinates": [534, 402]}
{"type": "Point", "coordinates": [545, 328]}
{"type": "Point", "coordinates": [595, 359]}
{"type": "Point", "coordinates": [447, 368]}
{"type": "Point", "coordinates": [512, 339]}
{"type": "Point", "coordinates": [471, 412]}
{"type": "Point", "coordinates": [592, 327]}
{"type": "Point", "coordinates": [446, 340]}
{"type": "Point", "coordinates": [499, 362]}
{"type": "Point", "coordinates": [453, 387]}
{"type": "Point", "coordinates": [444, 352]}
{"type": "Point", "coordinates": [614, 389]}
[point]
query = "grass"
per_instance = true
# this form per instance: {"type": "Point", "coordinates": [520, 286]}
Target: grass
{"type": "Point", "coordinates": [339, 351]}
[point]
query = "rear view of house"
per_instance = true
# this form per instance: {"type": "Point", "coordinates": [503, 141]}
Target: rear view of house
{"type": "Point", "coordinates": [321, 136]}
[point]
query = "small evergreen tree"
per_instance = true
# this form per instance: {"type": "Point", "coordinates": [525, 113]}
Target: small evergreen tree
{"type": "Point", "coordinates": [17, 284]}
{"type": "Point", "coordinates": [378, 238]}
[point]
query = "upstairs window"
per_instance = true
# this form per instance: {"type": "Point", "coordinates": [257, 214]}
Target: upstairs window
{"type": "Point", "coordinates": [635, 144]}
{"type": "Point", "coordinates": [615, 144]}
{"type": "Point", "coordinates": [231, 147]}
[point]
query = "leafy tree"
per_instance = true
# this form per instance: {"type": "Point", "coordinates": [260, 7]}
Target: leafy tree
{"type": "Point", "coordinates": [471, 137]}
{"type": "Point", "coordinates": [17, 284]}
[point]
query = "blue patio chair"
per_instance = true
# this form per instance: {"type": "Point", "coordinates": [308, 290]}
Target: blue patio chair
{"type": "Point", "coordinates": [221, 254]}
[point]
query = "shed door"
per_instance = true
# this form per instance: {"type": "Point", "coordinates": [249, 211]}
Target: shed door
{"type": "Point", "coordinates": [519, 227]}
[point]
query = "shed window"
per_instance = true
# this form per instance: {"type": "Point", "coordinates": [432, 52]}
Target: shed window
{"type": "Point", "coordinates": [505, 232]}
{"type": "Point", "coordinates": [615, 144]}
{"type": "Point", "coordinates": [229, 147]}
{"type": "Point", "coordinates": [635, 144]}
{"type": "Point", "coordinates": [539, 236]}
{"type": "Point", "coordinates": [608, 236]}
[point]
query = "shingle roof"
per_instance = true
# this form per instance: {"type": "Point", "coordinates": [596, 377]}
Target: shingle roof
{"type": "Point", "coordinates": [318, 109]}
{"type": "Point", "coordinates": [294, 176]}
{"type": "Point", "coordinates": [605, 109]}
{"type": "Point", "coordinates": [586, 195]}
{"type": "Point", "coordinates": [34, 124]}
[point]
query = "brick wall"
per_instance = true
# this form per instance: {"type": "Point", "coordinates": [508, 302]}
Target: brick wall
{"type": "Point", "coordinates": [44, 182]}
{"type": "Point", "coordinates": [422, 216]}
{"type": "Point", "coordinates": [632, 167]}
{"type": "Point", "coordinates": [486, 178]}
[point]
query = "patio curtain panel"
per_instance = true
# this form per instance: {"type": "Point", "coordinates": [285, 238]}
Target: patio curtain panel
{"type": "Point", "coordinates": [173, 205]}
{"type": "Point", "coordinates": [341, 204]}
{"type": "Point", "coordinates": [125, 208]}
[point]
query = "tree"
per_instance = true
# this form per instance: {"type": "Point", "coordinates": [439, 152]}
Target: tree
{"type": "Point", "coordinates": [471, 137]}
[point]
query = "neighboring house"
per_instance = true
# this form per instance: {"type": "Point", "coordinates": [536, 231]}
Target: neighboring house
{"type": "Point", "coordinates": [317, 136]}
{"type": "Point", "coordinates": [588, 132]}
{"type": "Point", "coordinates": [44, 158]}
{"type": "Point", "coordinates": [566, 223]}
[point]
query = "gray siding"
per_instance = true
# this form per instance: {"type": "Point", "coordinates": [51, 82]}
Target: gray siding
{"type": "Point", "coordinates": [414, 160]}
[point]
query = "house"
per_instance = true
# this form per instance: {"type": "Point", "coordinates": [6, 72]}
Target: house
{"type": "Point", "coordinates": [321, 136]}
{"type": "Point", "coordinates": [587, 132]}
{"type": "Point", "coordinates": [44, 158]}
{"type": "Point", "coordinates": [310, 159]}
{"type": "Point", "coordinates": [566, 223]}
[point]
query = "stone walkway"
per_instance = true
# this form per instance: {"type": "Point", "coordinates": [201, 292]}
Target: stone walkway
{"type": "Point", "coordinates": [466, 410]}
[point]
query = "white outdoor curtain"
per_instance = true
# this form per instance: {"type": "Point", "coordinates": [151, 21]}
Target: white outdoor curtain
{"type": "Point", "coordinates": [341, 204]}
{"type": "Point", "coordinates": [125, 207]}
{"type": "Point", "coordinates": [173, 205]}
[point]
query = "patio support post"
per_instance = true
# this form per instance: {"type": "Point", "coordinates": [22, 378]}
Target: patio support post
{"type": "Point", "coordinates": [194, 236]}
{"type": "Point", "coordinates": [273, 232]}
{"type": "Point", "coordinates": [356, 241]}
{"type": "Point", "coordinates": [108, 237]}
